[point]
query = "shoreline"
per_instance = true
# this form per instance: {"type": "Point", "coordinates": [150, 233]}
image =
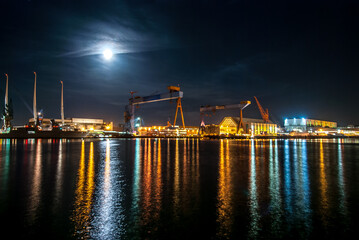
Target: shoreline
{"type": "Point", "coordinates": [184, 137]}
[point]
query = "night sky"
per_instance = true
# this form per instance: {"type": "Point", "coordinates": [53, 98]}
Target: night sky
{"type": "Point", "coordinates": [300, 58]}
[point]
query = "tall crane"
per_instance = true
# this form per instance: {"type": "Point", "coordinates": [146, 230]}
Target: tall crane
{"type": "Point", "coordinates": [207, 108]}
{"type": "Point", "coordinates": [265, 114]}
{"type": "Point", "coordinates": [135, 101]}
{"type": "Point", "coordinates": [7, 115]}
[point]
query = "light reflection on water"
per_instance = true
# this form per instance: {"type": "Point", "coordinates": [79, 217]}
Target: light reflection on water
{"type": "Point", "coordinates": [254, 226]}
{"type": "Point", "coordinates": [174, 188]}
{"type": "Point", "coordinates": [36, 169]}
{"type": "Point", "coordinates": [225, 192]}
{"type": "Point", "coordinates": [84, 192]}
{"type": "Point", "coordinates": [324, 204]}
{"type": "Point", "coordinates": [274, 190]}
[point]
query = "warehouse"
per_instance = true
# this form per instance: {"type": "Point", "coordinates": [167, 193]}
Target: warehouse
{"type": "Point", "coordinates": [250, 126]}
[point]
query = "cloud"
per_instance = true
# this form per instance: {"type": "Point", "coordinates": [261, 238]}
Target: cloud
{"type": "Point", "coordinates": [130, 31]}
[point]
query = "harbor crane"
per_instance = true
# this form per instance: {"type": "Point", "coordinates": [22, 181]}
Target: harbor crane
{"type": "Point", "coordinates": [207, 108]}
{"type": "Point", "coordinates": [174, 93]}
{"type": "Point", "coordinates": [265, 114]}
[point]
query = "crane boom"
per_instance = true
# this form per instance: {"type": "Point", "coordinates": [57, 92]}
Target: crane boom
{"type": "Point", "coordinates": [156, 98]}
{"type": "Point", "coordinates": [241, 105]}
{"type": "Point", "coordinates": [265, 114]}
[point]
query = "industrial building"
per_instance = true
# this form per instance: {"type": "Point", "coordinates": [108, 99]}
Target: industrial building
{"type": "Point", "coordinates": [82, 124]}
{"type": "Point", "coordinates": [167, 131]}
{"type": "Point", "coordinates": [211, 129]}
{"type": "Point", "coordinates": [349, 131]}
{"type": "Point", "coordinates": [231, 126]}
{"type": "Point", "coordinates": [307, 125]}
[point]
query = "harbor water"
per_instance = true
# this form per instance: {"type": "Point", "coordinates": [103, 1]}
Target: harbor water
{"type": "Point", "coordinates": [152, 188]}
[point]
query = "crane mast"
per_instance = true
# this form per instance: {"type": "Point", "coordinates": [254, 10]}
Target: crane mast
{"type": "Point", "coordinates": [264, 113]}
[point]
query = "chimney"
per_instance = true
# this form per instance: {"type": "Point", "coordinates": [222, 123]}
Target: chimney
{"type": "Point", "coordinates": [34, 102]}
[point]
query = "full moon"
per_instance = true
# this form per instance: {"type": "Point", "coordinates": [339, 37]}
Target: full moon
{"type": "Point", "coordinates": [107, 54]}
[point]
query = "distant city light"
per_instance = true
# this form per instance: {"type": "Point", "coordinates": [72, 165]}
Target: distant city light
{"type": "Point", "coordinates": [107, 54]}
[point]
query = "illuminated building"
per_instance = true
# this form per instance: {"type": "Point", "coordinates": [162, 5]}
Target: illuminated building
{"type": "Point", "coordinates": [167, 131]}
{"type": "Point", "coordinates": [307, 125]}
{"type": "Point", "coordinates": [82, 124]}
{"type": "Point", "coordinates": [211, 129]}
{"type": "Point", "coordinates": [230, 126]}
{"type": "Point", "coordinates": [349, 131]}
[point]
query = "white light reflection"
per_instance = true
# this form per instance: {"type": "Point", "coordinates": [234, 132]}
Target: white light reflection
{"type": "Point", "coordinates": [36, 183]}
{"type": "Point", "coordinates": [107, 222]}
{"type": "Point", "coordinates": [274, 190]}
{"type": "Point", "coordinates": [305, 193]}
{"type": "Point", "coordinates": [147, 182]}
{"type": "Point", "coordinates": [59, 176]}
{"type": "Point", "coordinates": [301, 191]}
{"type": "Point", "coordinates": [287, 179]}
{"type": "Point", "coordinates": [253, 200]}
{"type": "Point", "coordinates": [136, 191]}
{"type": "Point", "coordinates": [341, 182]}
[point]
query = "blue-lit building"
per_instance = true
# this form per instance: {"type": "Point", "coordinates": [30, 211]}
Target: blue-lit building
{"type": "Point", "coordinates": [306, 125]}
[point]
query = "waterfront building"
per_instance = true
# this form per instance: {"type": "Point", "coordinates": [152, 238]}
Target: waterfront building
{"type": "Point", "coordinates": [211, 129]}
{"type": "Point", "coordinates": [167, 131]}
{"type": "Point", "coordinates": [82, 124]}
{"type": "Point", "coordinates": [349, 131]}
{"type": "Point", "coordinates": [307, 125]}
{"type": "Point", "coordinates": [231, 126]}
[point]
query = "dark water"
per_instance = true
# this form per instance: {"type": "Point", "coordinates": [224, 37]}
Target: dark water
{"type": "Point", "coordinates": [178, 189]}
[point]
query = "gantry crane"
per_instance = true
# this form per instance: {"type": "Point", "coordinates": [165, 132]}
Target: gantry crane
{"type": "Point", "coordinates": [207, 108]}
{"type": "Point", "coordinates": [265, 114]}
{"type": "Point", "coordinates": [174, 93]}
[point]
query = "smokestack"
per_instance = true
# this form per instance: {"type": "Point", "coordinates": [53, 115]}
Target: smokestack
{"type": "Point", "coordinates": [34, 102]}
{"type": "Point", "coordinates": [6, 91]}
{"type": "Point", "coordinates": [62, 103]}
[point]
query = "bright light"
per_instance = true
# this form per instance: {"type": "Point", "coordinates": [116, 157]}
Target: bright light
{"type": "Point", "coordinates": [107, 54]}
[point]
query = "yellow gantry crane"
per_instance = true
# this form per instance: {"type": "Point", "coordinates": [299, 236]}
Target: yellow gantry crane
{"type": "Point", "coordinates": [174, 89]}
